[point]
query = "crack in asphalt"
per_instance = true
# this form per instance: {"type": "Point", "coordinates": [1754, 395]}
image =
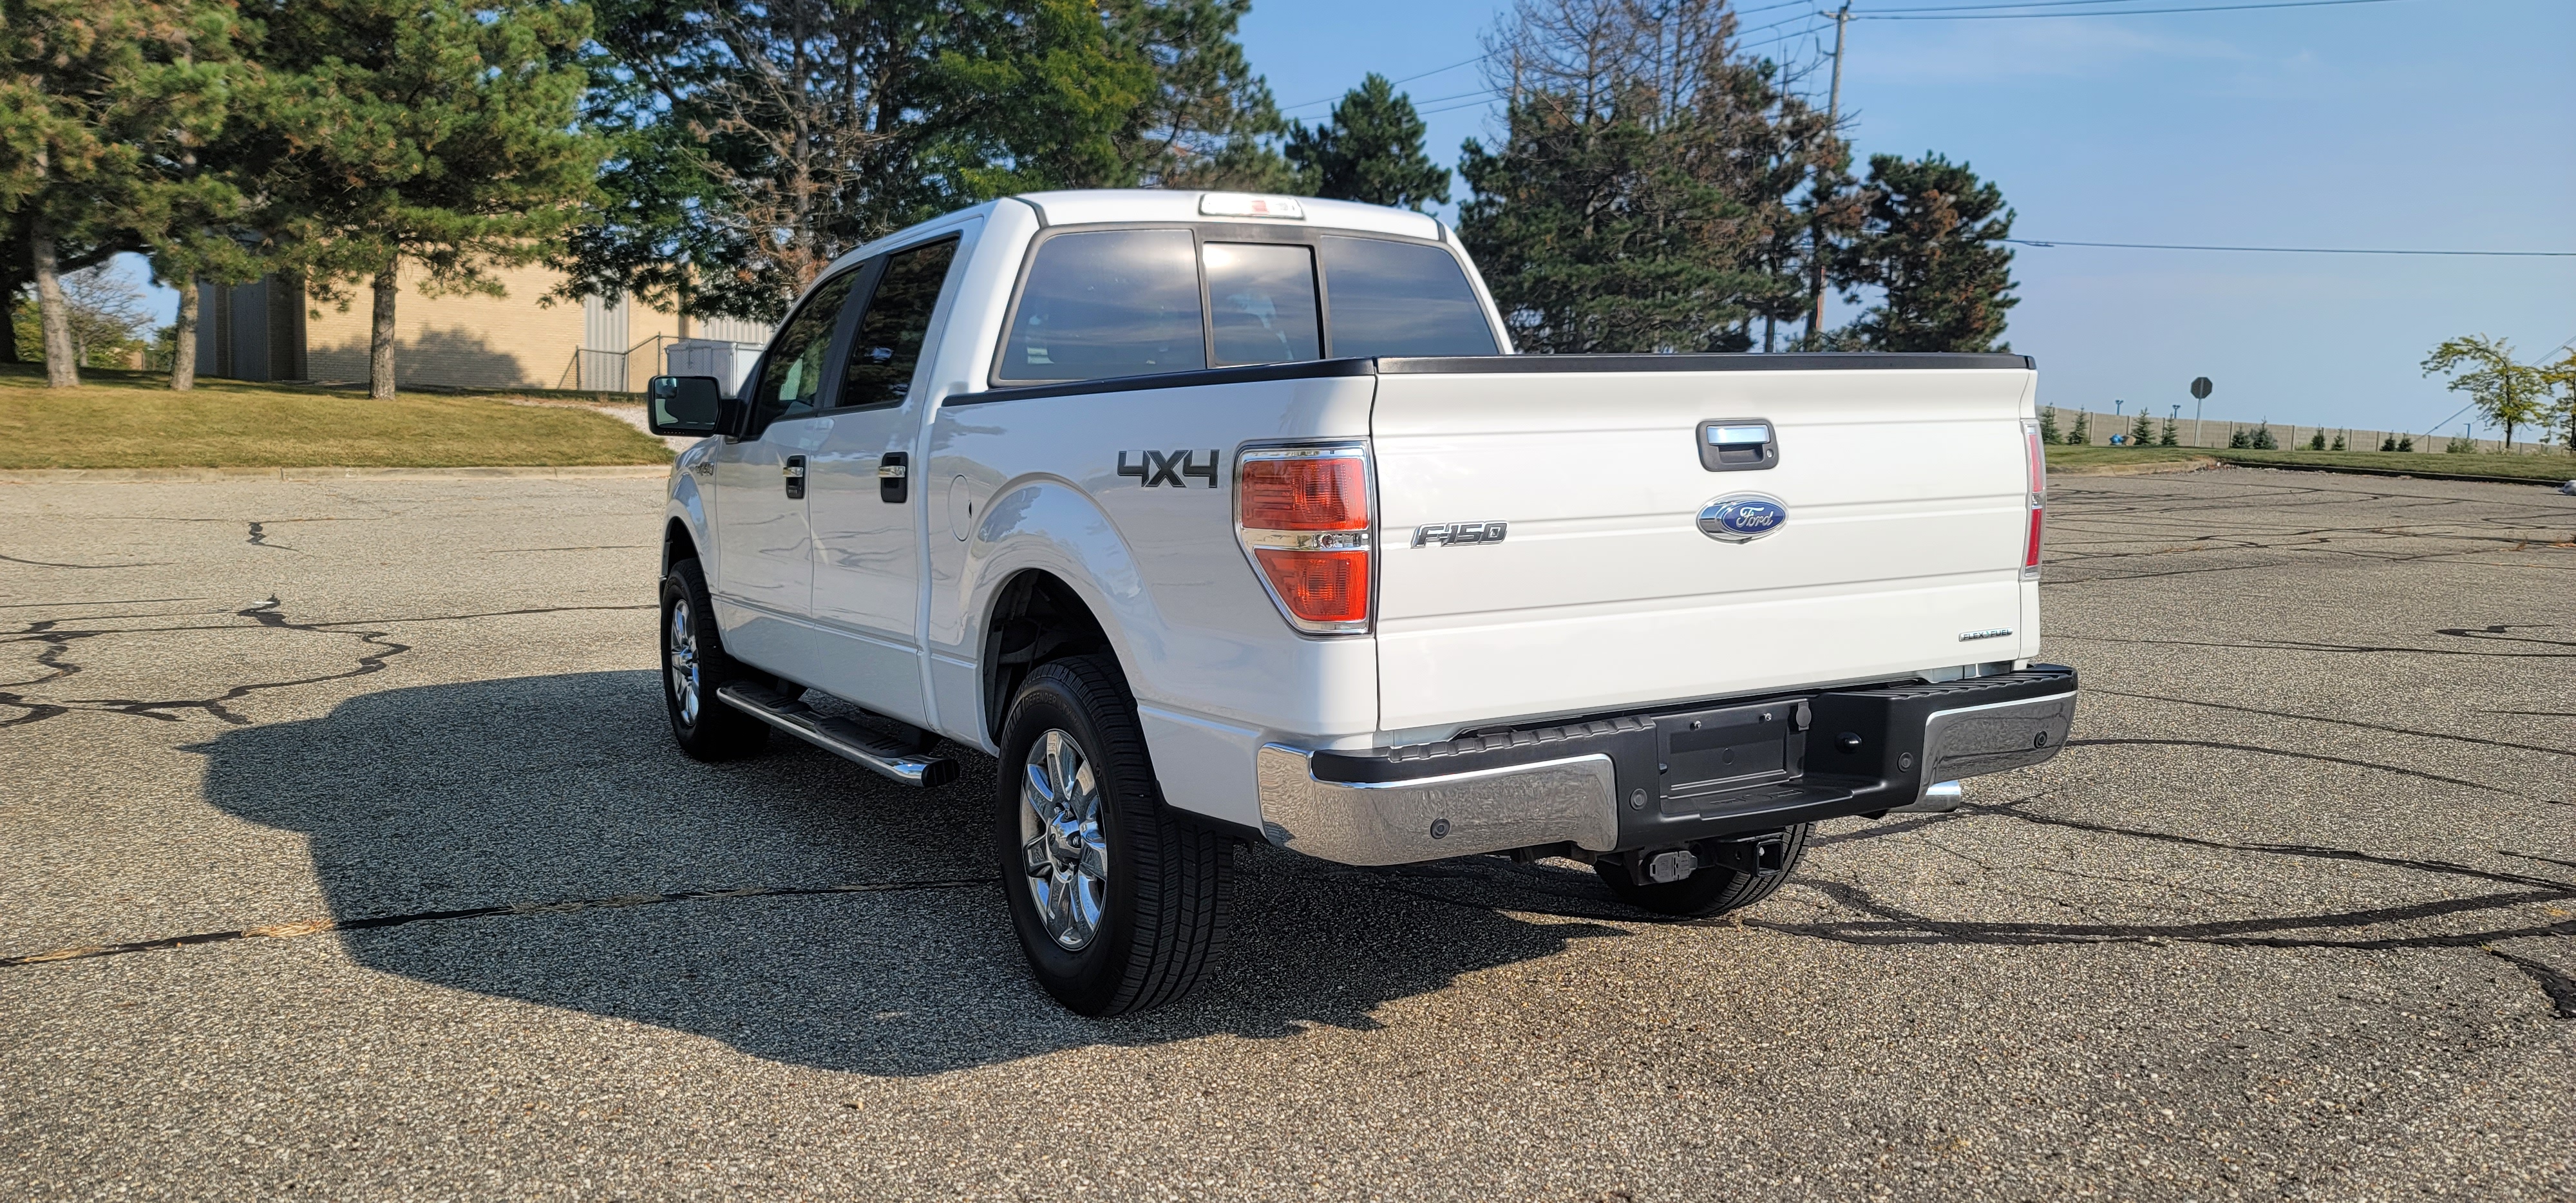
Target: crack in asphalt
{"type": "Point", "coordinates": [2225, 745]}
{"type": "Point", "coordinates": [267, 614]}
{"type": "Point", "coordinates": [2296, 645]}
{"type": "Point", "coordinates": [311, 927]}
{"type": "Point", "coordinates": [51, 564]}
{"type": "Point", "coordinates": [2344, 722]}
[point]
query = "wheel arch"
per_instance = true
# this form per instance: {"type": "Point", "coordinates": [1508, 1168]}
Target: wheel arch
{"type": "Point", "coordinates": [1035, 617]}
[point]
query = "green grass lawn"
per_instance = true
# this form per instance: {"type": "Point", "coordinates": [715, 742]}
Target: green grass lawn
{"type": "Point", "coordinates": [132, 420]}
{"type": "Point", "coordinates": [2536, 467]}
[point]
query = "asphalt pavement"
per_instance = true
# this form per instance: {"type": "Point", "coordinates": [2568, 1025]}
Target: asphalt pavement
{"type": "Point", "coordinates": [349, 857]}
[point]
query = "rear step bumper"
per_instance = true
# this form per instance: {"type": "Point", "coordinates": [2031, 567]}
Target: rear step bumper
{"type": "Point", "coordinates": [841, 737]}
{"type": "Point", "coordinates": [1660, 780]}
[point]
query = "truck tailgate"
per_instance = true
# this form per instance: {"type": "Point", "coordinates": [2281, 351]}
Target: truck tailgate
{"type": "Point", "coordinates": [1906, 511]}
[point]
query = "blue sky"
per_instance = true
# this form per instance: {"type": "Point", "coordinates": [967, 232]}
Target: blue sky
{"type": "Point", "coordinates": [2446, 124]}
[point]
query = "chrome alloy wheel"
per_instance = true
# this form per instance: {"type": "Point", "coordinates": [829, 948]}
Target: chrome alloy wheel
{"type": "Point", "coordinates": [1062, 847]}
{"type": "Point", "coordinates": [680, 645]}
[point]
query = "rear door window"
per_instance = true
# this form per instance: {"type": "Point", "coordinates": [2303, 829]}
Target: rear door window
{"type": "Point", "coordinates": [1107, 303]}
{"type": "Point", "coordinates": [1261, 302]}
{"type": "Point", "coordinates": [1400, 298]}
{"type": "Point", "coordinates": [887, 346]}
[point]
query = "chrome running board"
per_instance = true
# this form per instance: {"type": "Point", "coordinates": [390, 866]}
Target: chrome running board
{"type": "Point", "coordinates": [841, 737]}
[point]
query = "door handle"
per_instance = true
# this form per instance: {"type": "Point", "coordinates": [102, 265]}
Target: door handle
{"type": "Point", "coordinates": [793, 471]}
{"type": "Point", "coordinates": [892, 477]}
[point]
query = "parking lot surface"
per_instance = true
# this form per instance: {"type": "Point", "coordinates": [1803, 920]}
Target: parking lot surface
{"type": "Point", "coordinates": [2290, 918]}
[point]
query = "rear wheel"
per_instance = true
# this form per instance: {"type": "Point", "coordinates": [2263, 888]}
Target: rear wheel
{"type": "Point", "coordinates": [1712, 890]}
{"type": "Point", "coordinates": [1119, 903]}
{"type": "Point", "coordinates": [694, 666]}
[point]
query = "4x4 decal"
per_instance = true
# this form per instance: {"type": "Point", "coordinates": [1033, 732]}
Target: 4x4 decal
{"type": "Point", "coordinates": [1168, 467]}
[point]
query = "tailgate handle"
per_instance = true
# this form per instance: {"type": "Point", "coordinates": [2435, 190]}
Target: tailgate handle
{"type": "Point", "coordinates": [1738, 445]}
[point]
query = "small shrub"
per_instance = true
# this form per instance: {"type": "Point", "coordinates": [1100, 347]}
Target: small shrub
{"type": "Point", "coordinates": [2081, 436]}
{"type": "Point", "coordinates": [2048, 426]}
{"type": "Point", "coordinates": [2141, 432]}
{"type": "Point", "coordinates": [2167, 439]}
{"type": "Point", "coordinates": [2239, 440]}
{"type": "Point", "coordinates": [2317, 442]}
{"type": "Point", "coordinates": [2338, 443]}
{"type": "Point", "coordinates": [2388, 442]}
{"type": "Point", "coordinates": [2407, 443]}
{"type": "Point", "coordinates": [2263, 440]}
{"type": "Point", "coordinates": [2461, 445]}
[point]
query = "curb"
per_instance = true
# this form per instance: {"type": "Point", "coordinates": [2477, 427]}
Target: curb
{"type": "Point", "coordinates": [2158, 468]}
{"type": "Point", "coordinates": [30, 476]}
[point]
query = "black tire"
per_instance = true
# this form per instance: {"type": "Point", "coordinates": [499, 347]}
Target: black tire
{"type": "Point", "coordinates": [1167, 885]}
{"type": "Point", "coordinates": [1711, 891]}
{"type": "Point", "coordinates": [709, 729]}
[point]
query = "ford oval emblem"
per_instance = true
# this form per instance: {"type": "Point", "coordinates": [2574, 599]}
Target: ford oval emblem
{"type": "Point", "coordinates": [1742, 518]}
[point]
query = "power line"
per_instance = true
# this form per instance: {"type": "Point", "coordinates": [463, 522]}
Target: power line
{"type": "Point", "coordinates": [1962, 13]}
{"type": "Point", "coordinates": [2287, 250]}
{"type": "Point", "coordinates": [1406, 80]}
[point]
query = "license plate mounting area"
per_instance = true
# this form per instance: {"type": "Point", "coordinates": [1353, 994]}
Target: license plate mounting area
{"type": "Point", "coordinates": [1705, 759]}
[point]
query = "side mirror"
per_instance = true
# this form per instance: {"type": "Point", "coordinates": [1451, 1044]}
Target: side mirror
{"type": "Point", "coordinates": [685, 404]}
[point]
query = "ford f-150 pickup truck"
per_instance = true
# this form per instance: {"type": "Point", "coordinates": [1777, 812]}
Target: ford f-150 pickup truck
{"type": "Point", "coordinates": [1219, 518]}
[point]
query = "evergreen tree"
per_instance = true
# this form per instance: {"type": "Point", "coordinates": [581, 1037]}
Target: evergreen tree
{"type": "Point", "coordinates": [98, 100]}
{"type": "Point", "coordinates": [2141, 432]}
{"type": "Point", "coordinates": [2169, 437]}
{"type": "Point", "coordinates": [1370, 151]}
{"type": "Point", "coordinates": [1206, 121]}
{"type": "Point", "coordinates": [2048, 425]}
{"type": "Point", "coordinates": [1640, 198]}
{"type": "Point", "coordinates": [726, 193]}
{"type": "Point", "coordinates": [2081, 436]}
{"type": "Point", "coordinates": [1931, 241]}
{"type": "Point", "coordinates": [435, 132]}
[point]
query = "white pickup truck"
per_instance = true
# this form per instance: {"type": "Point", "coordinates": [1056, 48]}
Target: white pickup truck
{"type": "Point", "coordinates": [1218, 518]}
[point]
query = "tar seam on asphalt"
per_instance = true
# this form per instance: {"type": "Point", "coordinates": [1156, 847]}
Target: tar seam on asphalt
{"type": "Point", "coordinates": [268, 614]}
{"type": "Point", "coordinates": [309, 927]}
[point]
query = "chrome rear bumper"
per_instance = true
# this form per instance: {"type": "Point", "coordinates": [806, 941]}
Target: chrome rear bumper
{"type": "Point", "coordinates": [1572, 800]}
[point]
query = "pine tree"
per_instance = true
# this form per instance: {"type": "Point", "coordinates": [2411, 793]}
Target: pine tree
{"type": "Point", "coordinates": [2169, 437]}
{"type": "Point", "coordinates": [1639, 197]}
{"type": "Point", "coordinates": [1369, 150]}
{"type": "Point", "coordinates": [434, 132]}
{"type": "Point", "coordinates": [1207, 121]}
{"type": "Point", "coordinates": [2081, 436]}
{"type": "Point", "coordinates": [2048, 425]}
{"type": "Point", "coordinates": [1932, 242]}
{"type": "Point", "coordinates": [98, 100]}
{"type": "Point", "coordinates": [2141, 432]}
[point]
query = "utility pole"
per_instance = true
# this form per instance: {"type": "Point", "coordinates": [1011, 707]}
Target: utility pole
{"type": "Point", "coordinates": [1816, 232]}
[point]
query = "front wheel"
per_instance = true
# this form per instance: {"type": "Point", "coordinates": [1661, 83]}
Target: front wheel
{"type": "Point", "coordinates": [1712, 890]}
{"type": "Point", "coordinates": [1119, 903]}
{"type": "Point", "coordinates": [694, 665]}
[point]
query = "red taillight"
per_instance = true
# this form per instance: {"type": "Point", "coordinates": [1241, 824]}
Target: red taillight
{"type": "Point", "coordinates": [1303, 515]}
{"type": "Point", "coordinates": [2038, 498]}
{"type": "Point", "coordinates": [1305, 493]}
{"type": "Point", "coordinates": [1319, 586]}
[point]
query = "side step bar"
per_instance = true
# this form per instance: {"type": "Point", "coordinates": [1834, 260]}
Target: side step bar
{"type": "Point", "coordinates": [841, 737]}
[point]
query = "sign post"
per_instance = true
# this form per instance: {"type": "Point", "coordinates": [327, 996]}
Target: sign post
{"type": "Point", "coordinates": [2200, 399]}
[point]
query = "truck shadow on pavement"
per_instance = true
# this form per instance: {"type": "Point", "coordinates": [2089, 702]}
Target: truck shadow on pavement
{"type": "Point", "coordinates": [540, 839]}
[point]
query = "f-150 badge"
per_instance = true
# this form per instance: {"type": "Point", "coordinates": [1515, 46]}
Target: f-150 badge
{"type": "Point", "coordinates": [1168, 467]}
{"type": "Point", "coordinates": [1459, 534]}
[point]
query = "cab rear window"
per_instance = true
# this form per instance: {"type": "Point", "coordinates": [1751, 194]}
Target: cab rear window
{"type": "Point", "coordinates": [1107, 303]}
{"type": "Point", "coordinates": [1100, 304]}
{"type": "Point", "coordinates": [1400, 298]}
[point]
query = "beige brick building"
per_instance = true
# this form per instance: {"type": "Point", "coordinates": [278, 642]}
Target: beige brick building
{"type": "Point", "coordinates": [272, 329]}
